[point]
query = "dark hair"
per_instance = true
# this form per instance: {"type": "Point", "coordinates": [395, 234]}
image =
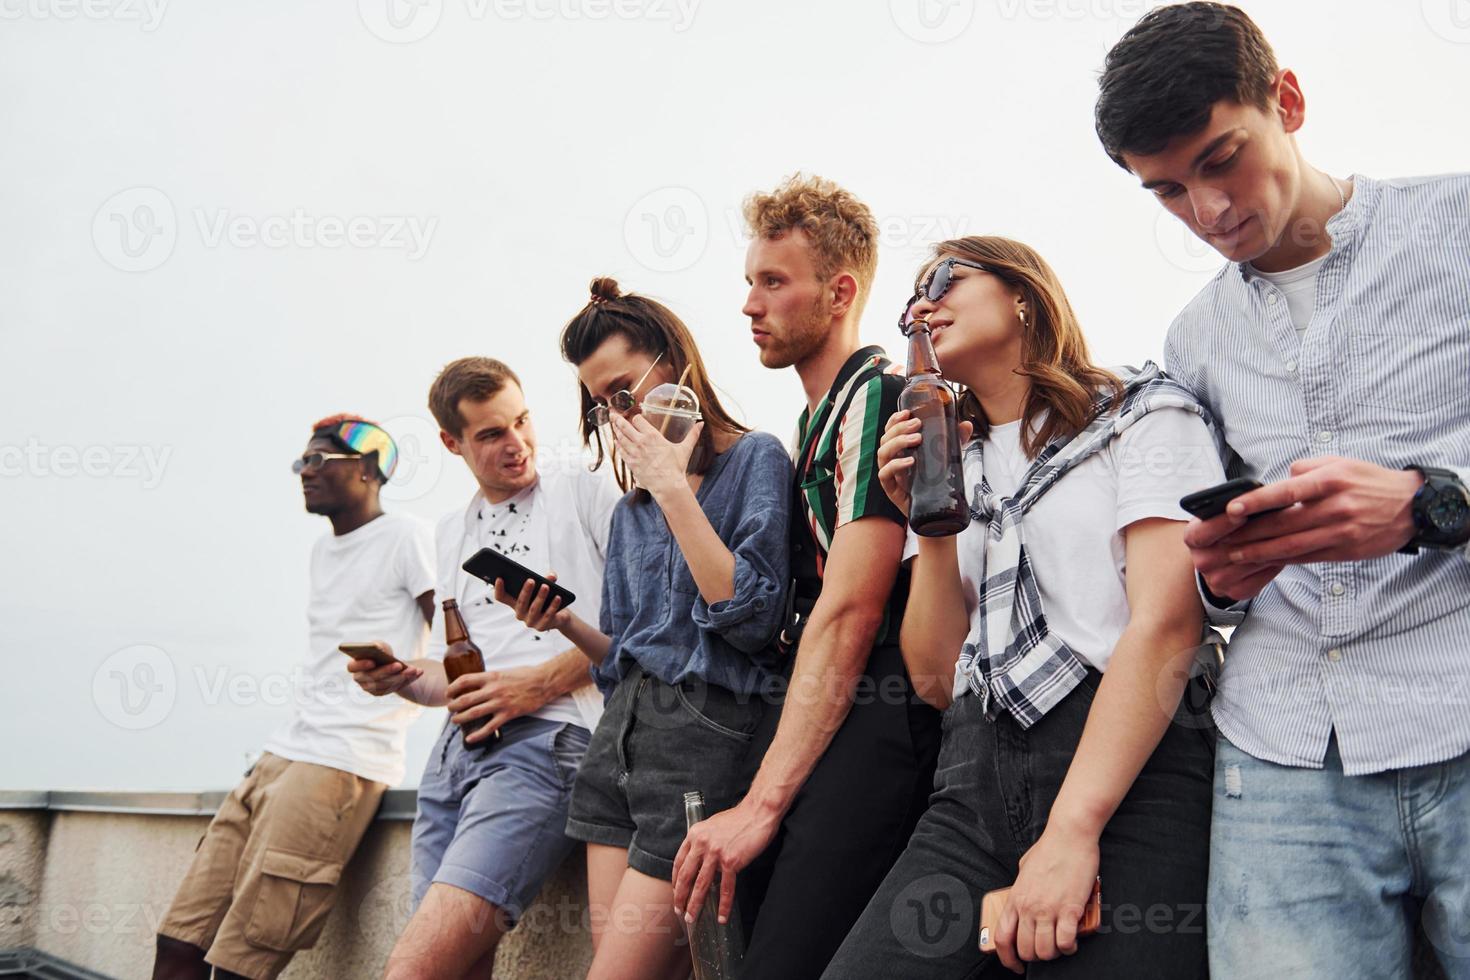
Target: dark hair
{"type": "Point", "coordinates": [1054, 357]}
{"type": "Point", "coordinates": [1162, 79]}
{"type": "Point", "coordinates": [475, 378]}
{"type": "Point", "coordinates": [650, 328]}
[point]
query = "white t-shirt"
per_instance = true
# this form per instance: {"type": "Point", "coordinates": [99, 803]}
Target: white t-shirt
{"type": "Point", "coordinates": [1075, 532]}
{"type": "Point", "coordinates": [364, 586]}
{"type": "Point", "coordinates": [1300, 287]}
{"type": "Point", "coordinates": [517, 528]}
{"type": "Point", "coordinates": [559, 524]}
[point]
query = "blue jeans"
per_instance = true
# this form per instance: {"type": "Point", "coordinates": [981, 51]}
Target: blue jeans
{"type": "Point", "coordinates": [1317, 874]}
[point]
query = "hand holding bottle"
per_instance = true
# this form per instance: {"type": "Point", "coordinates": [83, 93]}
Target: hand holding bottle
{"type": "Point", "coordinates": [896, 455]}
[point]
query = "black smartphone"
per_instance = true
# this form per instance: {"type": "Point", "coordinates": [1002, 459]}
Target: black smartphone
{"type": "Point", "coordinates": [489, 565]}
{"type": "Point", "coordinates": [1211, 501]}
{"type": "Point", "coordinates": [368, 651]}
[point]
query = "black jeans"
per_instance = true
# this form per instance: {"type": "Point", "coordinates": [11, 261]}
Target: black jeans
{"type": "Point", "coordinates": [994, 790]}
{"type": "Point", "coordinates": [848, 824]}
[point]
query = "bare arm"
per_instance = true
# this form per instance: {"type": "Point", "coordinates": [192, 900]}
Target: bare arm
{"type": "Point", "coordinates": [861, 567]}
{"type": "Point", "coordinates": [935, 622]}
{"type": "Point", "coordinates": [1129, 716]}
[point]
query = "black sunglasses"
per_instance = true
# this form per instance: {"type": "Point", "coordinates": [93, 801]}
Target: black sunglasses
{"type": "Point", "coordinates": [936, 284]}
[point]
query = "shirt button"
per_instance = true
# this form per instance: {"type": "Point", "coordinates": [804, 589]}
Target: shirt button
{"type": "Point", "coordinates": [1337, 588]}
{"type": "Point", "coordinates": [1271, 298]}
{"type": "Point", "coordinates": [1324, 436]}
{"type": "Point", "coordinates": [1334, 655]}
{"type": "Point", "coordinates": [760, 604]}
{"type": "Point", "coordinates": [1291, 366]}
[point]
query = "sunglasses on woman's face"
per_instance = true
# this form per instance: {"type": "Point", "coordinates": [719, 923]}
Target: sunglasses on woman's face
{"type": "Point", "coordinates": [936, 284]}
{"type": "Point", "coordinates": [621, 402]}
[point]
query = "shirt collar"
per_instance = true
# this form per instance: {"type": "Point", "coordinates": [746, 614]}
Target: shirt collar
{"type": "Point", "coordinates": [1344, 227]}
{"type": "Point", "coordinates": [850, 367]}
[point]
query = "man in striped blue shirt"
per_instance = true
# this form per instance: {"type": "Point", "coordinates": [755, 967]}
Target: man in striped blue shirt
{"type": "Point", "coordinates": [1334, 350]}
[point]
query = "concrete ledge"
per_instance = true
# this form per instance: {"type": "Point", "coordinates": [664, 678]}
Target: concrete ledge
{"type": "Point", "coordinates": [85, 878]}
{"type": "Point", "coordinates": [398, 804]}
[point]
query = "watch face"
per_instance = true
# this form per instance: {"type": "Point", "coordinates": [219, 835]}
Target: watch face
{"type": "Point", "coordinates": [1449, 512]}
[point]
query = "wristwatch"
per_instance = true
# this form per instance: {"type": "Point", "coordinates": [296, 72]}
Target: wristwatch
{"type": "Point", "coordinates": [1441, 511]}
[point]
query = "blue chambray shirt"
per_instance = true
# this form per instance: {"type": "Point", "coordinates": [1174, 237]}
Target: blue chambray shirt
{"type": "Point", "coordinates": [651, 606]}
{"type": "Point", "coordinates": [1376, 651]}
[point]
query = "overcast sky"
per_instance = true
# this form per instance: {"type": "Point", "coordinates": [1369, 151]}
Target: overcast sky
{"type": "Point", "coordinates": [223, 221]}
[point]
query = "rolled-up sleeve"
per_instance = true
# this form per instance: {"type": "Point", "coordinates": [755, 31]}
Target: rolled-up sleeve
{"type": "Point", "coordinates": [760, 517]}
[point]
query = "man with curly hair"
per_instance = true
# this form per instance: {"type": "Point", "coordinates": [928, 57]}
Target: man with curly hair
{"type": "Point", "coordinates": [849, 759]}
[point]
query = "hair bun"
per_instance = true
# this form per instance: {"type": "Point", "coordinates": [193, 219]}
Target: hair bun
{"type": "Point", "coordinates": [604, 288]}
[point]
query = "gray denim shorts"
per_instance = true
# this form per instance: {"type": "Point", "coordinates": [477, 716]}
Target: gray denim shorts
{"type": "Point", "coordinates": [490, 820]}
{"type": "Point", "coordinates": [655, 743]}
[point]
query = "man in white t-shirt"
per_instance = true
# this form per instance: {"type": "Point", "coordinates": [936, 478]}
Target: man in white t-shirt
{"type": "Point", "coordinates": [492, 806]}
{"type": "Point", "coordinates": [265, 873]}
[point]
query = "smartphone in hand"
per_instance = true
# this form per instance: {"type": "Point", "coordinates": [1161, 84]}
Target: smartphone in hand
{"type": "Point", "coordinates": [369, 651]}
{"type": "Point", "coordinates": [1212, 501]}
{"type": "Point", "coordinates": [993, 906]}
{"type": "Point", "coordinates": [487, 564]}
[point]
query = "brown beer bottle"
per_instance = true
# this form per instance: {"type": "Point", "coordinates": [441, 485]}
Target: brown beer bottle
{"type": "Point", "coordinates": [462, 656]}
{"type": "Point", "coordinates": [937, 505]}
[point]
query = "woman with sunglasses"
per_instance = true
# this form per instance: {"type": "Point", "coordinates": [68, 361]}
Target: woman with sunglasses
{"type": "Point", "coordinates": [1056, 631]}
{"type": "Point", "coordinates": [693, 593]}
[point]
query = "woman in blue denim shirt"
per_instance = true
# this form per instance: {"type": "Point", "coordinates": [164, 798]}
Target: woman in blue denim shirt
{"type": "Point", "coordinates": [693, 595]}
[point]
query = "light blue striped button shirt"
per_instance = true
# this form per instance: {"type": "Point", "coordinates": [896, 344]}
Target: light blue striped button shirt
{"type": "Point", "coordinates": [1377, 651]}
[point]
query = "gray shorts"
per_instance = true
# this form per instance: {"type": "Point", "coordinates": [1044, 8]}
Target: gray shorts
{"type": "Point", "coordinates": [490, 821]}
{"type": "Point", "coordinates": [655, 743]}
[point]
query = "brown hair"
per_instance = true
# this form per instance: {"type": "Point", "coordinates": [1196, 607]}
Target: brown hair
{"type": "Point", "coordinates": [650, 328]}
{"type": "Point", "coordinates": [475, 378]}
{"type": "Point", "coordinates": [842, 231]}
{"type": "Point", "coordinates": [1054, 356]}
